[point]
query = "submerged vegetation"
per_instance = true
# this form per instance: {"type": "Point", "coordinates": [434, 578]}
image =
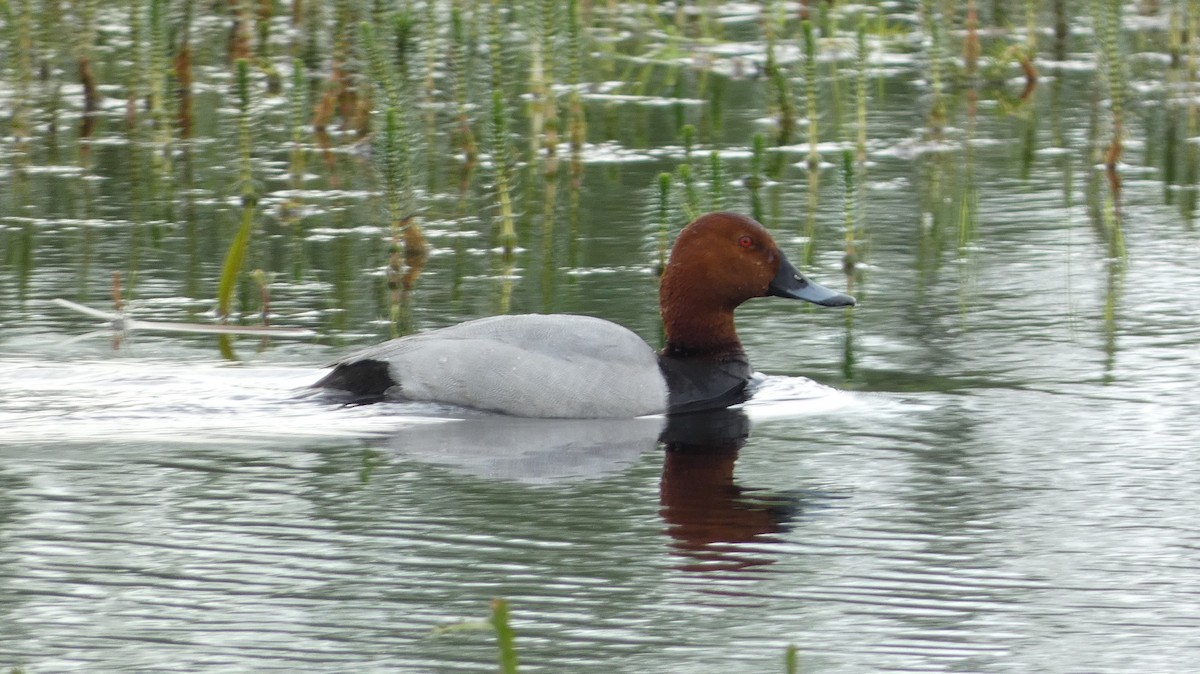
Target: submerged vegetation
{"type": "Point", "coordinates": [471, 117]}
{"type": "Point", "coordinates": [499, 622]}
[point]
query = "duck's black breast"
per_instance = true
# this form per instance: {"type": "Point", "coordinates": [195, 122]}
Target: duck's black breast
{"type": "Point", "coordinates": [699, 383]}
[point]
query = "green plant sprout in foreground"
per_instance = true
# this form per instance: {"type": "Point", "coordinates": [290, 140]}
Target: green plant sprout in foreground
{"type": "Point", "coordinates": [506, 638]}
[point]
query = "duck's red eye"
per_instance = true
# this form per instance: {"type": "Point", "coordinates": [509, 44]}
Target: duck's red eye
{"type": "Point", "coordinates": [745, 242]}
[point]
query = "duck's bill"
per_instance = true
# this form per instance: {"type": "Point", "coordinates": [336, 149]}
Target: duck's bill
{"type": "Point", "coordinates": [790, 283]}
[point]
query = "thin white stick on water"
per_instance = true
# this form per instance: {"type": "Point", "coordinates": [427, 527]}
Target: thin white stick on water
{"type": "Point", "coordinates": [121, 322]}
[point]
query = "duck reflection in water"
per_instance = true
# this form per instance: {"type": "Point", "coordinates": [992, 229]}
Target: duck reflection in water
{"type": "Point", "coordinates": [712, 522]}
{"type": "Point", "coordinates": [715, 524]}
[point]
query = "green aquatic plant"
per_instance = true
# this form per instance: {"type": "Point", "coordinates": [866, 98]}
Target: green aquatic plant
{"type": "Point", "coordinates": [851, 211]}
{"type": "Point", "coordinates": [1106, 17]}
{"type": "Point", "coordinates": [499, 622]}
{"type": "Point", "coordinates": [810, 94]}
{"type": "Point", "coordinates": [576, 118]}
{"type": "Point", "coordinates": [404, 44]}
{"type": "Point", "coordinates": [84, 42]}
{"type": "Point", "coordinates": [860, 90]}
{"type": "Point", "coordinates": [499, 118]}
{"type": "Point", "coordinates": [691, 204]}
{"type": "Point", "coordinates": [778, 86]}
{"type": "Point", "coordinates": [664, 219]}
{"type": "Point", "coordinates": [1031, 26]}
{"type": "Point", "coordinates": [543, 104]}
{"type": "Point", "coordinates": [687, 174]}
{"type": "Point", "coordinates": [716, 182]}
{"type": "Point", "coordinates": [135, 89]}
{"type": "Point", "coordinates": [501, 172]}
{"type": "Point", "coordinates": [297, 107]}
{"type": "Point", "coordinates": [461, 67]}
{"type": "Point", "coordinates": [381, 73]}
{"type": "Point", "coordinates": [157, 71]}
{"type": "Point", "coordinates": [932, 20]}
{"type": "Point", "coordinates": [1062, 30]}
{"type": "Point", "coordinates": [181, 70]}
{"type": "Point", "coordinates": [754, 181]}
{"type": "Point", "coordinates": [308, 37]}
{"type": "Point", "coordinates": [21, 29]}
{"type": "Point", "coordinates": [236, 254]}
{"type": "Point", "coordinates": [395, 150]}
{"type": "Point", "coordinates": [408, 250]}
{"type": "Point", "coordinates": [264, 56]}
{"type": "Point", "coordinates": [505, 636]}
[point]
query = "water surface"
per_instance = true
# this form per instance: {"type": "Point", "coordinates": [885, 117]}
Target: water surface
{"type": "Point", "coordinates": [989, 466]}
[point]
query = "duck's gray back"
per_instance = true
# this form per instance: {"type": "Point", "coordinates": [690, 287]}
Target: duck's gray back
{"type": "Point", "coordinates": [530, 365]}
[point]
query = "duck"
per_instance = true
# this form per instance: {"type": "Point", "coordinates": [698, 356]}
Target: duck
{"type": "Point", "coordinates": [574, 366]}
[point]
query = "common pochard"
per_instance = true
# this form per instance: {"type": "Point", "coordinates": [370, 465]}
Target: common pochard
{"type": "Point", "coordinates": [568, 366]}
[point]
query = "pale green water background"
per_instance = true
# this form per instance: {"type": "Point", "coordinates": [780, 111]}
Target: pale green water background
{"type": "Point", "coordinates": [1003, 478]}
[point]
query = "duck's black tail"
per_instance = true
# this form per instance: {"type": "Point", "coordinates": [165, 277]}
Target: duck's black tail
{"type": "Point", "coordinates": [361, 378]}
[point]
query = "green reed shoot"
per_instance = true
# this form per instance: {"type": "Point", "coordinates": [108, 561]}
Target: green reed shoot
{"type": "Point", "coordinates": [778, 85]}
{"type": "Point", "coordinates": [835, 104]}
{"type": "Point", "coordinates": [933, 25]}
{"type": "Point", "coordinates": [505, 637]}
{"type": "Point", "coordinates": [691, 204]}
{"type": "Point", "coordinates": [810, 221]}
{"type": "Point", "coordinates": [687, 173]}
{"type": "Point", "coordinates": [245, 132]}
{"type": "Point", "coordinates": [1031, 27]}
{"type": "Point", "coordinates": [84, 41]}
{"type": "Point", "coordinates": [309, 37]}
{"type": "Point", "coordinates": [664, 218]}
{"type": "Point", "coordinates": [543, 108]}
{"type": "Point", "coordinates": [576, 119]}
{"type": "Point", "coordinates": [181, 69]}
{"type": "Point", "coordinates": [157, 72]}
{"type": "Point", "coordinates": [408, 247]}
{"type": "Point", "coordinates": [263, 55]}
{"type": "Point", "coordinates": [1062, 30]}
{"type": "Point", "coordinates": [263, 280]}
{"type": "Point", "coordinates": [22, 42]}
{"type": "Point", "coordinates": [297, 106]}
{"type": "Point", "coordinates": [49, 27]}
{"type": "Point", "coordinates": [971, 47]}
{"type": "Point", "coordinates": [754, 181]}
{"type": "Point", "coordinates": [394, 187]}
{"type": "Point", "coordinates": [1106, 16]}
{"type": "Point", "coordinates": [716, 182]}
{"type": "Point", "coordinates": [850, 208]}
{"type": "Point", "coordinates": [397, 187]}
{"type": "Point", "coordinates": [404, 35]}
{"type": "Point", "coordinates": [860, 90]}
{"type": "Point", "coordinates": [432, 43]}
{"type": "Point", "coordinates": [137, 66]}
{"type": "Point", "coordinates": [500, 170]}
{"type": "Point", "coordinates": [241, 241]}
{"type": "Point", "coordinates": [462, 66]}
{"type": "Point", "coordinates": [688, 134]}
{"type": "Point", "coordinates": [810, 90]}
{"type": "Point", "coordinates": [134, 94]}
{"type": "Point", "coordinates": [381, 74]}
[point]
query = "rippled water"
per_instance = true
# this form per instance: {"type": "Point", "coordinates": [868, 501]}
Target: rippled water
{"type": "Point", "coordinates": [990, 466]}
